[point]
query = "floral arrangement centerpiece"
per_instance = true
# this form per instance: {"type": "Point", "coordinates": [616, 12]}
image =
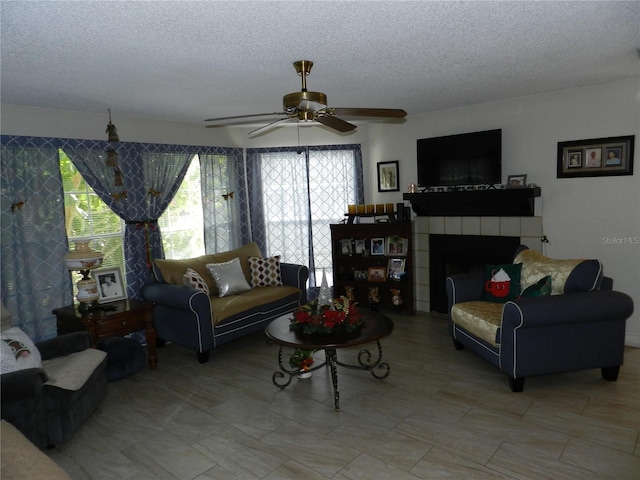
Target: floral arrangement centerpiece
{"type": "Point", "coordinates": [338, 317]}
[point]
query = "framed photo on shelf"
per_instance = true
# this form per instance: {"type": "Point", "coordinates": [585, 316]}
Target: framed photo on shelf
{"type": "Point", "coordinates": [110, 285]}
{"type": "Point", "coordinates": [397, 246]}
{"type": "Point", "coordinates": [345, 246]}
{"type": "Point", "coordinates": [388, 176]}
{"type": "Point", "coordinates": [377, 274]}
{"type": "Point", "coordinates": [396, 268]}
{"type": "Point", "coordinates": [377, 246]}
{"type": "Point", "coordinates": [516, 181]}
{"type": "Point", "coordinates": [597, 157]}
{"type": "Point", "coordinates": [360, 246]}
{"type": "Point", "coordinates": [360, 274]}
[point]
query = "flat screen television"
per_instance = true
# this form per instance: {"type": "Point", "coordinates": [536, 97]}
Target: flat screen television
{"type": "Point", "coordinates": [464, 159]}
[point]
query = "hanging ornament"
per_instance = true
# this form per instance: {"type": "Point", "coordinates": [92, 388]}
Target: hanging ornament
{"type": "Point", "coordinates": [112, 157]}
{"type": "Point", "coordinates": [112, 131]}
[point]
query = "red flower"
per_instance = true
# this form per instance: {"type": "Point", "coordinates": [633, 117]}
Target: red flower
{"type": "Point", "coordinates": [333, 318]}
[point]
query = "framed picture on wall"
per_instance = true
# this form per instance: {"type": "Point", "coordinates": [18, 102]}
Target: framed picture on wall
{"type": "Point", "coordinates": [597, 157]}
{"type": "Point", "coordinates": [388, 176]}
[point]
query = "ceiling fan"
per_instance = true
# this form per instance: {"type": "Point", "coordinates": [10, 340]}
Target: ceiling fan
{"type": "Point", "coordinates": [307, 106]}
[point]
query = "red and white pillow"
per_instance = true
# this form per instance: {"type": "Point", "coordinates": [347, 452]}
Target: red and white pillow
{"type": "Point", "coordinates": [194, 280]}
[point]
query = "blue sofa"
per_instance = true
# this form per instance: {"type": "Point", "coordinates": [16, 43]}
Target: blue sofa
{"type": "Point", "coordinates": [580, 325]}
{"type": "Point", "coordinates": [192, 318]}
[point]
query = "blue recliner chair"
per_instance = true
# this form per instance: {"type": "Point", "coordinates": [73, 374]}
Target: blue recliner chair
{"type": "Point", "coordinates": [578, 323]}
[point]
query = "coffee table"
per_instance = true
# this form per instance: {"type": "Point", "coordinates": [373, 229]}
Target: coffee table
{"type": "Point", "coordinates": [375, 326]}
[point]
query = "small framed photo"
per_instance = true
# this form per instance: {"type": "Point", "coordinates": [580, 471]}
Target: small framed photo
{"type": "Point", "coordinates": [388, 176]}
{"type": "Point", "coordinates": [360, 274]}
{"type": "Point", "coordinates": [397, 246]}
{"type": "Point", "coordinates": [396, 268]}
{"type": "Point", "coordinates": [110, 285]}
{"type": "Point", "coordinates": [597, 157]}
{"type": "Point", "coordinates": [377, 274]}
{"type": "Point", "coordinates": [360, 246]}
{"type": "Point", "coordinates": [517, 181]}
{"type": "Point", "coordinates": [346, 246]}
{"type": "Point", "coordinates": [377, 246]}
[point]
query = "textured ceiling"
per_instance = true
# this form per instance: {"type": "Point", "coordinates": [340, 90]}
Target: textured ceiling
{"type": "Point", "coordinates": [190, 60]}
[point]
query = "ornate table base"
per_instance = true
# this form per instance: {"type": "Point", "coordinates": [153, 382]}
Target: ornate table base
{"type": "Point", "coordinates": [331, 360]}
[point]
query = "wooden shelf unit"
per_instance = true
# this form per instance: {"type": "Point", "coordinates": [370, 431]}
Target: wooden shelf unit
{"type": "Point", "coordinates": [345, 265]}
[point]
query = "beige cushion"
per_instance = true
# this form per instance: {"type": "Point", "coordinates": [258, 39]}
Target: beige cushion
{"type": "Point", "coordinates": [225, 307]}
{"type": "Point", "coordinates": [72, 371]}
{"type": "Point", "coordinates": [173, 270]}
{"type": "Point", "coordinates": [573, 275]}
{"type": "Point", "coordinates": [480, 318]}
{"type": "Point", "coordinates": [229, 277]}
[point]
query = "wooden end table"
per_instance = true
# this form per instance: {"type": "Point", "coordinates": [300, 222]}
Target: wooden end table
{"type": "Point", "coordinates": [114, 319]}
{"type": "Point", "coordinates": [375, 326]}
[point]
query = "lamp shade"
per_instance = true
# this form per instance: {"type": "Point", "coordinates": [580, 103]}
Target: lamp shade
{"type": "Point", "coordinates": [82, 257]}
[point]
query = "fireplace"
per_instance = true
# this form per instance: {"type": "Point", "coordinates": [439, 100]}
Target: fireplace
{"type": "Point", "coordinates": [484, 246]}
{"type": "Point", "coordinates": [452, 254]}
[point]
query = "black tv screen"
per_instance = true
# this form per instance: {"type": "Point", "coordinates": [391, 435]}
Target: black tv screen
{"type": "Point", "coordinates": [463, 159]}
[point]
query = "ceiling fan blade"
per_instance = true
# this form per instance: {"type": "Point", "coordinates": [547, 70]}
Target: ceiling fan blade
{"type": "Point", "coordinates": [335, 123]}
{"type": "Point", "coordinates": [368, 112]}
{"type": "Point", "coordinates": [240, 122]}
{"type": "Point", "coordinates": [268, 126]}
{"type": "Point", "coordinates": [221, 119]}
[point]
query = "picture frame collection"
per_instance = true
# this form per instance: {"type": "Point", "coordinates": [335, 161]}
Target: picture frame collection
{"type": "Point", "coordinates": [393, 247]}
{"type": "Point", "coordinates": [596, 157]}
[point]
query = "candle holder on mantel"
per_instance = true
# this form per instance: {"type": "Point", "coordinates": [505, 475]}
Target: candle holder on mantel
{"type": "Point", "coordinates": [83, 260]}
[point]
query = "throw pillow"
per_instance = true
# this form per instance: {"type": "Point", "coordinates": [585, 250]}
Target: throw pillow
{"type": "Point", "coordinates": [540, 288]}
{"type": "Point", "coordinates": [568, 276]}
{"type": "Point", "coordinates": [18, 351]}
{"type": "Point", "coordinates": [265, 271]}
{"type": "Point", "coordinates": [194, 280]}
{"type": "Point", "coordinates": [229, 277]}
{"type": "Point", "coordinates": [502, 282]}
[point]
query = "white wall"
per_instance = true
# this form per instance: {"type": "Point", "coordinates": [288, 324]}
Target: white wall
{"type": "Point", "coordinates": [579, 214]}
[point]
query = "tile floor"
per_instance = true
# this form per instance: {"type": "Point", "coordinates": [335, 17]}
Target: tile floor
{"type": "Point", "coordinates": [441, 413]}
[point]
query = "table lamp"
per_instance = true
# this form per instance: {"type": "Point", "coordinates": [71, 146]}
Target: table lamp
{"type": "Point", "coordinates": [83, 259]}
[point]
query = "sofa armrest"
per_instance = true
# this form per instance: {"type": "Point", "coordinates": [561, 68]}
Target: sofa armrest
{"type": "Point", "coordinates": [23, 403]}
{"type": "Point", "coordinates": [465, 287]}
{"type": "Point", "coordinates": [570, 308]}
{"type": "Point", "coordinates": [296, 275]}
{"type": "Point", "coordinates": [178, 297]}
{"type": "Point", "coordinates": [64, 345]}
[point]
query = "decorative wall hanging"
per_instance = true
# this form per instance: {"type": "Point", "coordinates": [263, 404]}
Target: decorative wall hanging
{"type": "Point", "coordinates": [388, 176]}
{"type": "Point", "coordinates": [596, 157]}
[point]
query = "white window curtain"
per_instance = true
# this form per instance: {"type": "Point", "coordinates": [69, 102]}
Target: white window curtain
{"type": "Point", "coordinates": [294, 197]}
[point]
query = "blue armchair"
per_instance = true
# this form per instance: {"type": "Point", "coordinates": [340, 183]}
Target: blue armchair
{"type": "Point", "coordinates": [579, 326]}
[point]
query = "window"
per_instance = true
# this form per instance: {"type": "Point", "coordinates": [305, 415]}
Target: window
{"type": "Point", "coordinates": [301, 200]}
{"type": "Point", "coordinates": [182, 222]}
{"type": "Point", "coordinates": [87, 217]}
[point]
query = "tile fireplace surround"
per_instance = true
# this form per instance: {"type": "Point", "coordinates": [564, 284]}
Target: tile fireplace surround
{"type": "Point", "coordinates": [529, 229]}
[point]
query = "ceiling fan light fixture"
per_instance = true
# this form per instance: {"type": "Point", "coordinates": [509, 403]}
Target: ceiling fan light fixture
{"type": "Point", "coordinates": [307, 101]}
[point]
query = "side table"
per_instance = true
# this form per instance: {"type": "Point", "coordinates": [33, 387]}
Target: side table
{"type": "Point", "coordinates": [114, 319]}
